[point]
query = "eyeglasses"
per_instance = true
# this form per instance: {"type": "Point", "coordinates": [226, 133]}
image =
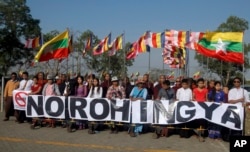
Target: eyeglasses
{"type": "Point", "coordinates": [177, 81]}
{"type": "Point", "coordinates": [236, 81]}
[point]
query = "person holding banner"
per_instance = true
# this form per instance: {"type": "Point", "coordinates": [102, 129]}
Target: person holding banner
{"type": "Point", "coordinates": [81, 90]}
{"type": "Point", "coordinates": [115, 91]}
{"type": "Point", "coordinates": [25, 85]}
{"type": "Point", "coordinates": [106, 84]}
{"type": "Point", "coordinates": [184, 94]}
{"type": "Point", "coordinates": [158, 87]}
{"type": "Point", "coordinates": [238, 95]}
{"type": "Point", "coordinates": [89, 82]}
{"type": "Point", "coordinates": [41, 79]}
{"type": "Point", "coordinates": [95, 92]}
{"type": "Point", "coordinates": [218, 96]}
{"type": "Point", "coordinates": [139, 92]}
{"type": "Point", "coordinates": [149, 86]}
{"type": "Point", "coordinates": [165, 93]}
{"type": "Point", "coordinates": [200, 95]}
{"type": "Point", "coordinates": [36, 88]}
{"type": "Point", "coordinates": [51, 89]}
{"type": "Point", "coordinates": [128, 87]}
{"type": "Point", "coordinates": [11, 85]}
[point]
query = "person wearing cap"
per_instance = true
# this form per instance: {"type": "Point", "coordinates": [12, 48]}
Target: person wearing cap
{"type": "Point", "coordinates": [115, 91]}
{"type": "Point", "coordinates": [139, 92]}
{"type": "Point", "coordinates": [50, 88]}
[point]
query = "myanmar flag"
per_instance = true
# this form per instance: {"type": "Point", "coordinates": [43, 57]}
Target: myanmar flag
{"type": "Point", "coordinates": [226, 46]}
{"type": "Point", "coordinates": [56, 48]}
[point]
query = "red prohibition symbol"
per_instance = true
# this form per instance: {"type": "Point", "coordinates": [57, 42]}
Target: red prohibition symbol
{"type": "Point", "coordinates": [19, 98]}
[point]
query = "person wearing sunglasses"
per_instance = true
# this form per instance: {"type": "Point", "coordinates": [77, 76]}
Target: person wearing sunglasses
{"type": "Point", "coordinates": [238, 95]}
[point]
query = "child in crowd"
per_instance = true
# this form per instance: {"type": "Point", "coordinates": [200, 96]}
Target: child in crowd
{"type": "Point", "coordinates": [200, 95]}
{"type": "Point", "coordinates": [184, 94]}
{"type": "Point", "coordinates": [218, 96]}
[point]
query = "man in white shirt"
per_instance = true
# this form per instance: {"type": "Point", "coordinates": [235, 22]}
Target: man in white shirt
{"type": "Point", "coordinates": [238, 95]}
{"type": "Point", "coordinates": [25, 85]}
{"type": "Point", "coordinates": [184, 93]}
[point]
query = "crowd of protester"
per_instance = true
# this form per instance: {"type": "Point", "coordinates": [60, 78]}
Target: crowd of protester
{"type": "Point", "coordinates": [184, 89]}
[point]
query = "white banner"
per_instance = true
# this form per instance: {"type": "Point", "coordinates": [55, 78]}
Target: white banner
{"type": "Point", "coordinates": [228, 115]}
{"type": "Point", "coordinates": [92, 109]}
{"type": "Point", "coordinates": [34, 106]}
{"type": "Point", "coordinates": [19, 99]}
{"type": "Point", "coordinates": [54, 107]}
{"type": "Point", "coordinates": [142, 111]}
{"type": "Point", "coordinates": [147, 111]}
{"type": "Point", "coordinates": [120, 110]}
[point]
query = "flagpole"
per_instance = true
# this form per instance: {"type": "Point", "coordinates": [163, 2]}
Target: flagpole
{"type": "Point", "coordinates": [149, 61]}
{"type": "Point", "coordinates": [187, 55]}
{"type": "Point", "coordinates": [207, 68]}
{"type": "Point", "coordinates": [221, 70]}
{"type": "Point", "coordinates": [243, 82]}
{"type": "Point", "coordinates": [124, 54]}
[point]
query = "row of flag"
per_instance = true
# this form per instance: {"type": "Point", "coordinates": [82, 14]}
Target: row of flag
{"type": "Point", "coordinates": [226, 46]}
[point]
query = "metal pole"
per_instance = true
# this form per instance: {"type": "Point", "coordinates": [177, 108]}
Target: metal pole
{"type": "Point", "coordinates": [2, 93]}
{"type": "Point", "coordinates": [221, 70]}
{"type": "Point", "coordinates": [149, 61]}
{"type": "Point", "coordinates": [109, 63]}
{"type": "Point", "coordinates": [243, 82]}
{"type": "Point", "coordinates": [207, 68]}
{"type": "Point", "coordinates": [124, 53]}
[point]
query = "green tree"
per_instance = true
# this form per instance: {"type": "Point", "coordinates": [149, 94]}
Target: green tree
{"type": "Point", "coordinates": [226, 70]}
{"type": "Point", "coordinates": [115, 65]}
{"type": "Point", "coordinates": [16, 24]}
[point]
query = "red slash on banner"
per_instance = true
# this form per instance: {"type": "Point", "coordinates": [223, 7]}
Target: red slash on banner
{"type": "Point", "coordinates": [20, 100]}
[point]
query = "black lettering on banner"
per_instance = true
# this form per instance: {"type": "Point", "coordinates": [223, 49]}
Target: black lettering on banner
{"type": "Point", "coordinates": [158, 108]}
{"type": "Point", "coordinates": [208, 109]}
{"type": "Point", "coordinates": [236, 118]}
{"type": "Point", "coordinates": [48, 107]}
{"type": "Point", "coordinates": [190, 113]}
{"type": "Point", "coordinates": [32, 105]}
{"type": "Point", "coordinates": [80, 108]}
{"type": "Point", "coordinates": [143, 110]}
{"type": "Point", "coordinates": [105, 112]}
{"type": "Point", "coordinates": [124, 109]}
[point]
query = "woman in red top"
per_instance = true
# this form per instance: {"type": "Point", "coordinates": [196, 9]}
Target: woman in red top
{"type": "Point", "coordinates": [41, 79]}
{"type": "Point", "coordinates": [200, 93]}
{"type": "Point", "coordinates": [36, 88]}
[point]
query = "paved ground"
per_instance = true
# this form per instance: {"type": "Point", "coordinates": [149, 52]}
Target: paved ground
{"type": "Point", "coordinates": [16, 137]}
